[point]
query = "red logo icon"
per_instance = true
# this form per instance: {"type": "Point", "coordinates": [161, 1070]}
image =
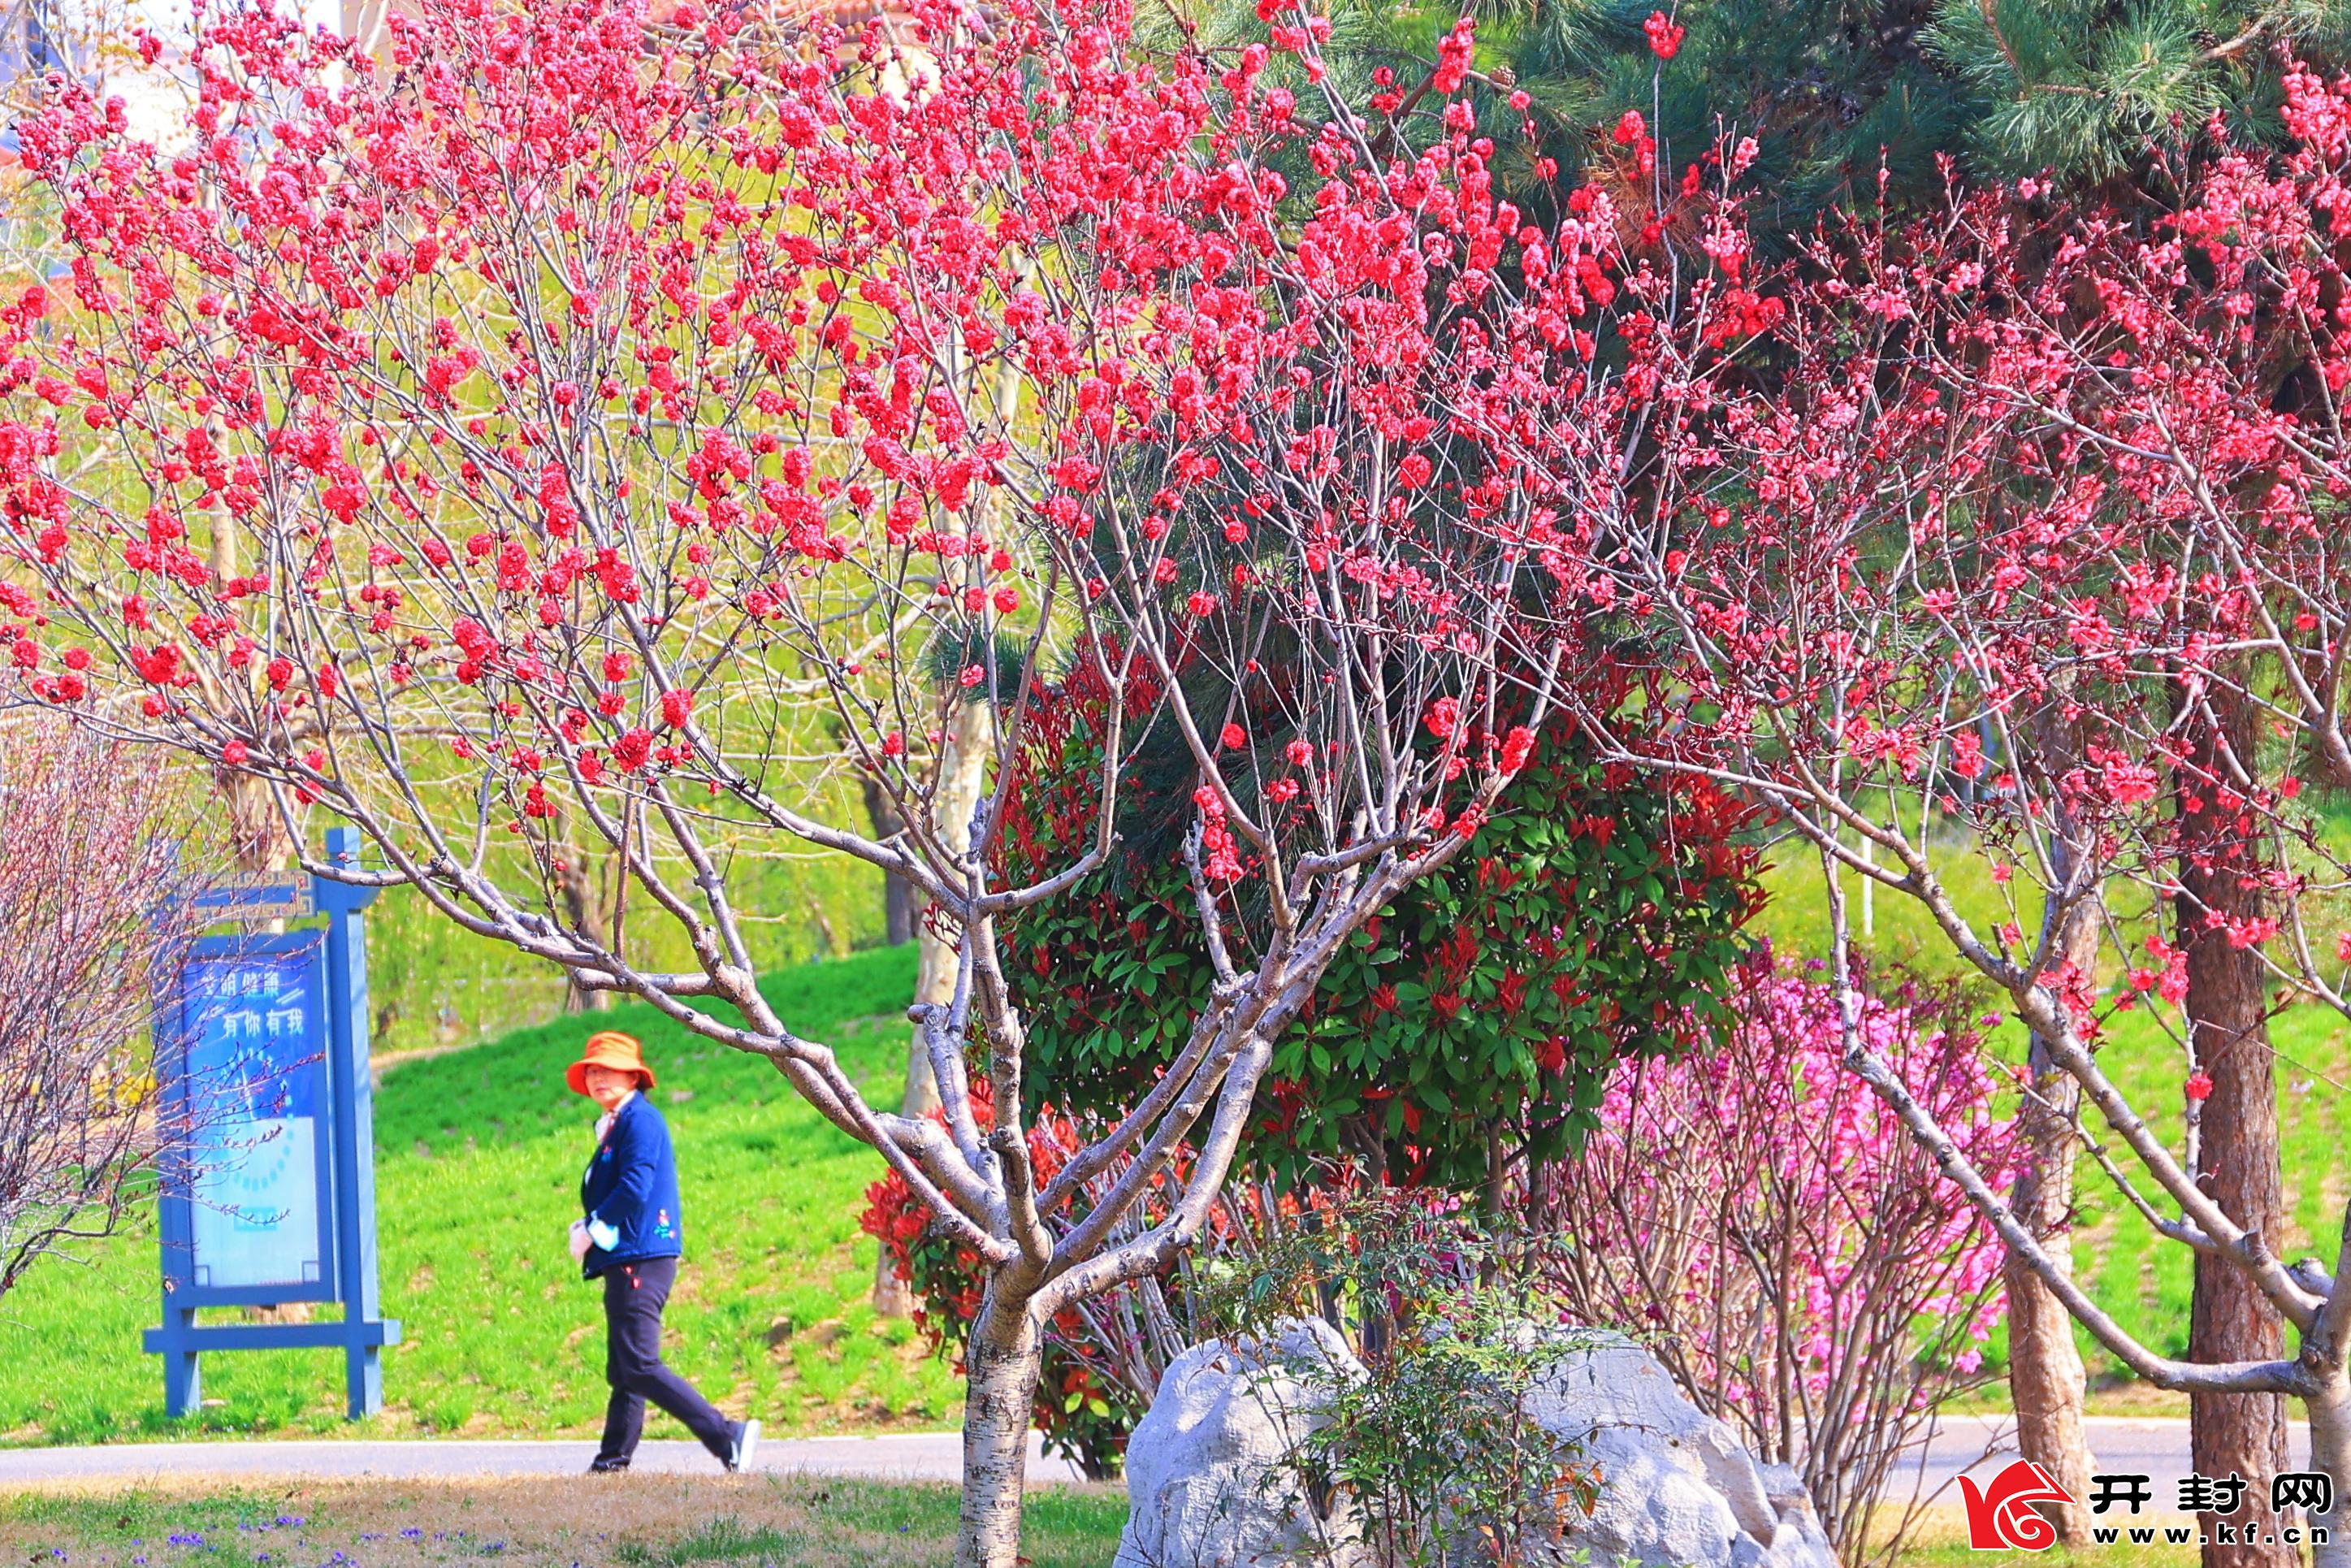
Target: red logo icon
{"type": "Point", "coordinates": [2001, 1517]}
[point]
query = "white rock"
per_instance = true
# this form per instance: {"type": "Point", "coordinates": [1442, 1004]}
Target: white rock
{"type": "Point", "coordinates": [1206, 1484]}
{"type": "Point", "coordinates": [1678, 1490]}
{"type": "Point", "coordinates": [1799, 1542]}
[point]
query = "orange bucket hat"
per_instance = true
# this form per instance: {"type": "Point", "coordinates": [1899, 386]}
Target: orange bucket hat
{"type": "Point", "coordinates": [609, 1048]}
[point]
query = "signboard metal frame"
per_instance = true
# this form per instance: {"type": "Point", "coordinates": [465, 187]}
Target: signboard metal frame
{"type": "Point", "coordinates": [259, 896]}
{"type": "Point", "coordinates": [346, 1192]}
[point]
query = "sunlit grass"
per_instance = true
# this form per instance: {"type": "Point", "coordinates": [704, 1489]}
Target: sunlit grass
{"type": "Point", "coordinates": [2143, 1281]}
{"type": "Point", "coordinates": [478, 1158]}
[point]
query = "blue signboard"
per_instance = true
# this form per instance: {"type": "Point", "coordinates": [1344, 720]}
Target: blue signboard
{"type": "Point", "coordinates": [262, 1051]}
{"type": "Point", "coordinates": [253, 1018]}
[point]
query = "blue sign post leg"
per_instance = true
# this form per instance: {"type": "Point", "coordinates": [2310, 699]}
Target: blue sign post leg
{"type": "Point", "coordinates": [354, 1122]}
{"type": "Point", "coordinates": [176, 1340]}
{"type": "Point", "coordinates": [184, 1393]}
{"type": "Point", "coordinates": [364, 1377]}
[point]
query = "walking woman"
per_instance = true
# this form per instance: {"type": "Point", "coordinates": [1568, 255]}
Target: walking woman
{"type": "Point", "coordinates": [631, 1237]}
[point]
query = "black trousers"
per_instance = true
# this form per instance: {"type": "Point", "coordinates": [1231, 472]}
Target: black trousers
{"type": "Point", "coordinates": [634, 1295]}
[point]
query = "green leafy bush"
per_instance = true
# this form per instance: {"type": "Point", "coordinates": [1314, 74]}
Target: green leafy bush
{"type": "Point", "coordinates": [1595, 917]}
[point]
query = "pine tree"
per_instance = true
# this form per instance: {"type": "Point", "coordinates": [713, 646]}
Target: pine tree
{"type": "Point", "coordinates": [2082, 89]}
{"type": "Point", "coordinates": [1846, 99]}
{"type": "Point", "coordinates": [1832, 90]}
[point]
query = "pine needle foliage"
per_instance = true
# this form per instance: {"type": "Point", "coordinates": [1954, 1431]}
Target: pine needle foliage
{"type": "Point", "coordinates": [1850, 101]}
{"type": "Point", "coordinates": [2084, 89]}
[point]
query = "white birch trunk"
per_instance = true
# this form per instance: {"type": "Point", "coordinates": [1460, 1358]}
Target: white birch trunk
{"type": "Point", "coordinates": [1000, 1389]}
{"type": "Point", "coordinates": [963, 775]}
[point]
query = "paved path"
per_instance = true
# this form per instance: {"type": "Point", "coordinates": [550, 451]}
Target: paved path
{"type": "Point", "coordinates": [1980, 1445]}
{"type": "Point", "coordinates": [1974, 1444]}
{"type": "Point", "coordinates": [916, 1456]}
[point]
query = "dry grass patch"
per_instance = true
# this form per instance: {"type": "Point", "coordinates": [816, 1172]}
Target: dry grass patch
{"type": "Point", "coordinates": [622, 1521]}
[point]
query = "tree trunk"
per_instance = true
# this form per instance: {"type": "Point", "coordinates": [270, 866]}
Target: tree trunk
{"type": "Point", "coordinates": [585, 907]}
{"type": "Point", "coordinates": [934, 983]}
{"type": "Point", "coordinates": [257, 841]}
{"type": "Point", "coordinates": [898, 912]}
{"type": "Point", "coordinates": [999, 1393]}
{"type": "Point", "coordinates": [2044, 1367]}
{"type": "Point", "coordinates": [963, 774]}
{"type": "Point", "coordinates": [2236, 1162]}
{"type": "Point", "coordinates": [2330, 1455]}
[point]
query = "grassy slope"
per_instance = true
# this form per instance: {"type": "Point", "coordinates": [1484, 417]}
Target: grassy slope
{"type": "Point", "coordinates": [435, 984]}
{"type": "Point", "coordinates": [478, 1157]}
{"type": "Point", "coordinates": [2142, 1279]}
{"type": "Point", "coordinates": [479, 1149]}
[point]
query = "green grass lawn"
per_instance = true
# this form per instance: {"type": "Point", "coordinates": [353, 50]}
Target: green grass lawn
{"type": "Point", "coordinates": [479, 1152]}
{"type": "Point", "coordinates": [2143, 1281]}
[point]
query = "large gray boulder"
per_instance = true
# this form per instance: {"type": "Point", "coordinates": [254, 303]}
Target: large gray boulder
{"type": "Point", "coordinates": [1207, 1483]}
{"type": "Point", "coordinates": [1676, 1488]}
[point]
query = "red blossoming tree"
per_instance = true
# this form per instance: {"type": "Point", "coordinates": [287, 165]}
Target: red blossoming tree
{"type": "Point", "coordinates": [2038, 540]}
{"type": "Point", "coordinates": [546, 430]}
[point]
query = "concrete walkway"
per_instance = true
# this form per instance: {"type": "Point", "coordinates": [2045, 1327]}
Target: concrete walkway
{"type": "Point", "coordinates": [2119, 1445]}
{"type": "Point", "coordinates": [1978, 1445]}
{"type": "Point", "coordinates": [923, 1456]}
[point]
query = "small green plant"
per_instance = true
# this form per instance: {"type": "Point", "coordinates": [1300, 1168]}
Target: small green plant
{"type": "Point", "coordinates": [1435, 1445]}
{"type": "Point", "coordinates": [725, 1539]}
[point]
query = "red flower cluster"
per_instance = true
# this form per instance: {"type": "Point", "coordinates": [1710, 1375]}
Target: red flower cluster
{"type": "Point", "coordinates": [1665, 38]}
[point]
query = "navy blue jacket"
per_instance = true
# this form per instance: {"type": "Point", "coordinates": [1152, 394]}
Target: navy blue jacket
{"type": "Point", "coordinates": [631, 1185]}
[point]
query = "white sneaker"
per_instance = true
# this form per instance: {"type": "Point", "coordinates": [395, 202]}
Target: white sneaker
{"type": "Point", "coordinates": [747, 1445]}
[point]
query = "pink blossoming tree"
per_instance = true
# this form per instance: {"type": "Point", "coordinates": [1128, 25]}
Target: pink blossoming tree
{"type": "Point", "coordinates": [1791, 1248]}
{"type": "Point", "coordinates": [96, 908]}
